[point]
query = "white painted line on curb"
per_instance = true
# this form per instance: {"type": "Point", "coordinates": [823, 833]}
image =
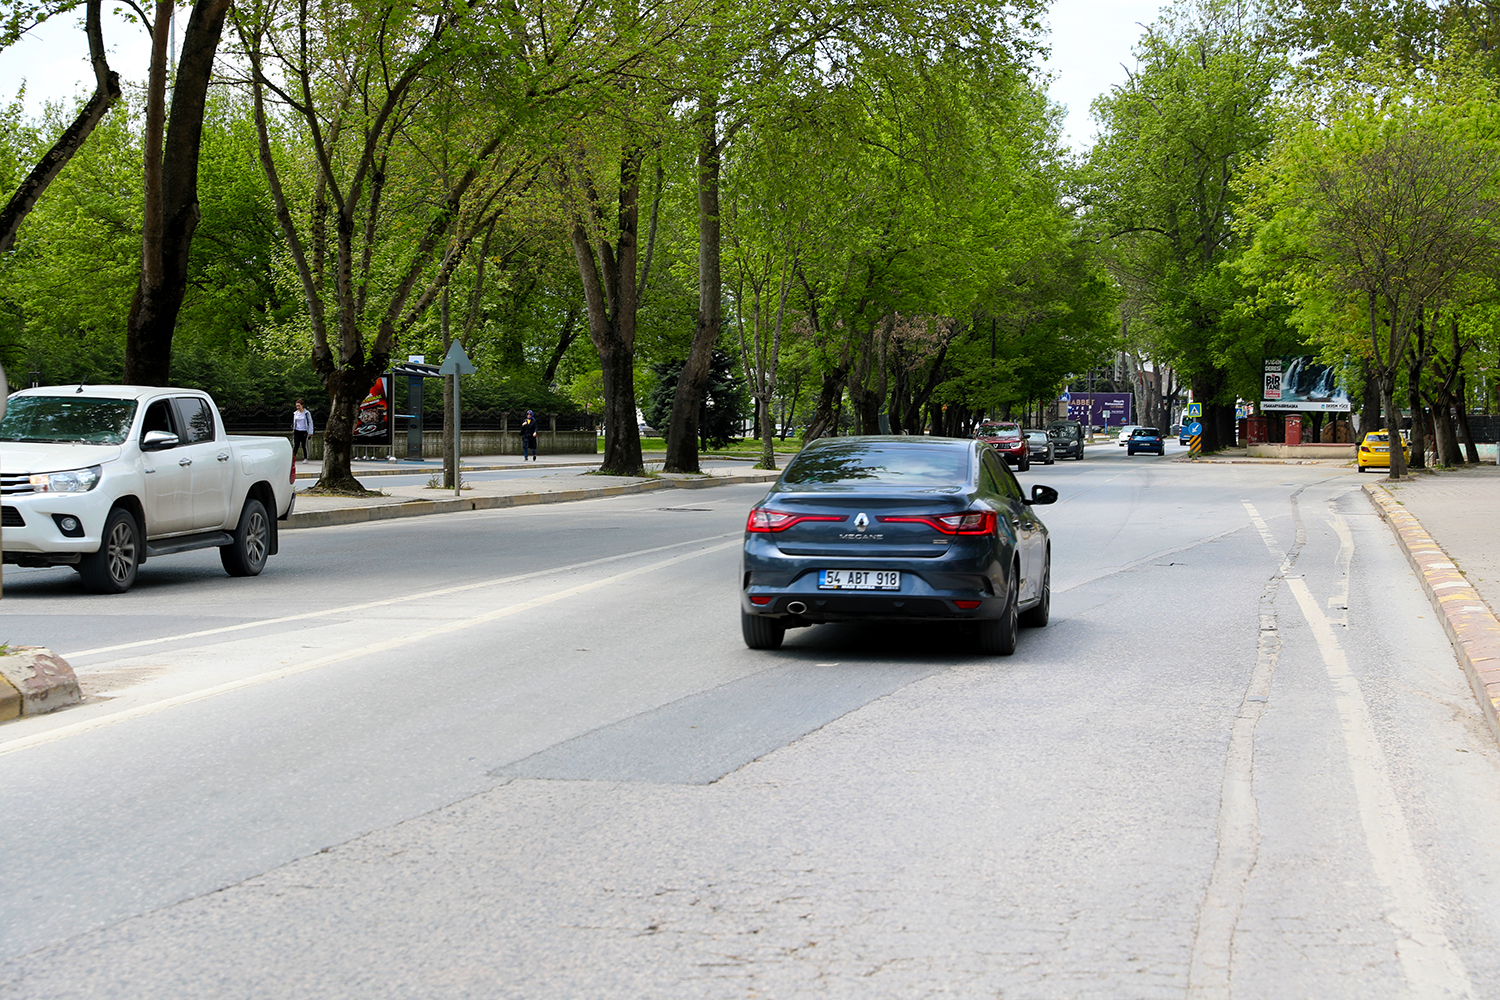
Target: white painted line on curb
{"type": "Point", "coordinates": [62, 732]}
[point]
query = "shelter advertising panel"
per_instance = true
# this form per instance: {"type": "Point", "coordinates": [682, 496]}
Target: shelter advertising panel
{"type": "Point", "coordinates": [373, 425]}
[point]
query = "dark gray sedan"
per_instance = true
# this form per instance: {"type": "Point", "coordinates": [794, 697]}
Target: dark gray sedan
{"type": "Point", "coordinates": [896, 529]}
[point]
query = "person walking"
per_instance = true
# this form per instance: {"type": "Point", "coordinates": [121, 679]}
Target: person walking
{"type": "Point", "coordinates": [302, 428]}
{"type": "Point", "coordinates": [528, 437]}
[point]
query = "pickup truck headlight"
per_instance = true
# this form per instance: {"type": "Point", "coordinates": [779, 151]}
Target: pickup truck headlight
{"type": "Point", "coordinates": [75, 481]}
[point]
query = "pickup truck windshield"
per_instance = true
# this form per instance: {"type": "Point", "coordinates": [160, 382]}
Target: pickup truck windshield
{"type": "Point", "coordinates": [78, 419]}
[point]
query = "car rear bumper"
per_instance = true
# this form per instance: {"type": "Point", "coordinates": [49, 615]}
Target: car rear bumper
{"type": "Point", "coordinates": [930, 588]}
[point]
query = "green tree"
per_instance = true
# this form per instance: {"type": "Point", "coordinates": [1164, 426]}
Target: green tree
{"type": "Point", "coordinates": [1162, 193]}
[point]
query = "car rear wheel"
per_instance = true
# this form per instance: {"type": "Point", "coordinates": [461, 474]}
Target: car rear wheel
{"type": "Point", "coordinates": [997, 636]}
{"type": "Point", "coordinates": [246, 555]}
{"type": "Point", "coordinates": [761, 632]}
{"type": "Point", "coordinates": [112, 569]}
{"type": "Point", "coordinates": [1040, 613]}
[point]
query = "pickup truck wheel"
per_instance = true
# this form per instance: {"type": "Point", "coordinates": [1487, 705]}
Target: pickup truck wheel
{"type": "Point", "coordinates": [246, 555]}
{"type": "Point", "coordinates": [112, 569]}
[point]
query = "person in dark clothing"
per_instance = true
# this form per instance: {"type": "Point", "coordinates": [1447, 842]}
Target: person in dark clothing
{"type": "Point", "coordinates": [528, 437]}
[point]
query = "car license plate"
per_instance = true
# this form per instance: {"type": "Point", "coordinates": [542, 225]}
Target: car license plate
{"type": "Point", "coordinates": [859, 579]}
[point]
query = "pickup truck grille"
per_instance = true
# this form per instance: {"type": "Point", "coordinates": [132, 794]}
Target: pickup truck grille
{"type": "Point", "coordinates": [11, 518]}
{"type": "Point", "coordinates": [15, 482]}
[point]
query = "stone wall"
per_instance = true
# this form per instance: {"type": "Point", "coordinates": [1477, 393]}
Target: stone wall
{"type": "Point", "coordinates": [475, 443]}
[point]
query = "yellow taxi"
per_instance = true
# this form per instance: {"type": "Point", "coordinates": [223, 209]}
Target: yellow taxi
{"type": "Point", "coordinates": [1375, 451]}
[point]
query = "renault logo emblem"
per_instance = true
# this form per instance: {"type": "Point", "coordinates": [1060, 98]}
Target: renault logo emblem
{"type": "Point", "coordinates": [861, 521]}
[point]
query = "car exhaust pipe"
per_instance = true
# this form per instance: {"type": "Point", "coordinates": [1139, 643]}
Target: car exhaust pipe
{"type": "Point", "coordinates": [796, 607]}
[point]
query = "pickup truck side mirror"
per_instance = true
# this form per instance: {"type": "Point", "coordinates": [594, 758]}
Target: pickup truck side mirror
{"type": "Point", "coordinates": [158, 441]}
{"type": "Point", "coordinates": [1042, 495]}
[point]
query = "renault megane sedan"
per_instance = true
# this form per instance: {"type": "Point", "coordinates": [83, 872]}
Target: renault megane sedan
{"type": "Point", "coordinates": [897, 529]}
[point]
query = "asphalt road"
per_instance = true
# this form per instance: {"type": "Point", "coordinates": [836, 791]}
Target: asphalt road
{"type": "Point", "coordinates": [524, 753]}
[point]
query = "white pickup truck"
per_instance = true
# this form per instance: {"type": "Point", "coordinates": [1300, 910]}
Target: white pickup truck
{"type": "Point", "coordinates": [102, 477]}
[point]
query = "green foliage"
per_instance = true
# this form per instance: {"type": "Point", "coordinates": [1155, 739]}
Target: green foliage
{"type": "Point", "coordinates": [1161, 185]}
{"type": "Point", "coordinates": [726, 402]}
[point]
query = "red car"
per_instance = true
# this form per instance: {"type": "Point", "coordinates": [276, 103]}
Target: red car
{"type": "Point", "coordinates": [1008, 442]}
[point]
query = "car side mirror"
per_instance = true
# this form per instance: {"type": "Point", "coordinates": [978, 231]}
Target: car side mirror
{"type": "Point", "coordinates": [158, 441]}
{"type": "Point", "coordinates": [1042, 495]}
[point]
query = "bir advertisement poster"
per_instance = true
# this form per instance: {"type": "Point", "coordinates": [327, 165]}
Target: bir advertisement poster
{"type": "Point", "coordinates": [1300, 384]}
{"type": "Point", "coordinates": [1100, 409]}
{"type": "Point", "coordinates": [373, 426]}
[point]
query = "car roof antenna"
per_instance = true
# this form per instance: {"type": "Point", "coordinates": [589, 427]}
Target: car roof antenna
{"type": "Point", "coordinates": [80, 387]}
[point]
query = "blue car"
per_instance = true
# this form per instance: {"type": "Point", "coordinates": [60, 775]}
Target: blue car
{"type": "Point", "coordinates": [1145, 439]}
{"type": "Point", "coordinates": [896, 529]}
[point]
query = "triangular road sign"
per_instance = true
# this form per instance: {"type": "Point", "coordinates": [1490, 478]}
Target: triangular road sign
{"type": "Point", "coordinates": [456, 361]}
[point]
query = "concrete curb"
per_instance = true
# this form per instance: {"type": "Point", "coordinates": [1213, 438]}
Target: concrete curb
{"type": "Point", "coordinates": [33, 681]}
{"type": "Point", "coordinates": [417, 470]}
{"type": "Point", "coordinates": [1471, 626]}
{"type": "Point", "coordinates": [419, 508]}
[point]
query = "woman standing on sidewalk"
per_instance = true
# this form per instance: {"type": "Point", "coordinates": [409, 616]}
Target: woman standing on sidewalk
{"type": "Point", "coordinates": [528, 437]}
{"type": "Point", "coordinates": [302, 428]}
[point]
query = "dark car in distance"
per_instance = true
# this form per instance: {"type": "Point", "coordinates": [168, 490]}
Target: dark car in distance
{"type": "Point", "coordinates": [1067, 438]}
{"type": "Point", "coordinates": [1040, 447]}
{"type": "Point", "coordinates": [1008, 441]}
{"type": "Point", "coordinates": [1145, 439]}
{"type": "Point", "coordinates": [896, 529]}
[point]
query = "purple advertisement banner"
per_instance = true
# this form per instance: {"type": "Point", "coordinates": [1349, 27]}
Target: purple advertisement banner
{"type": "Point", "coordinates": [1100, 409]}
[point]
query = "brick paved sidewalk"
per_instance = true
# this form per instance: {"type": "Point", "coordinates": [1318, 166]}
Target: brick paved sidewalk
{"type": "Point", "coordinates": [1461, 511]}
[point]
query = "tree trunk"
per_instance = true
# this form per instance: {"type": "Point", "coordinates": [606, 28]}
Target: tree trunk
{"type": "Point", "coordinates": [1219, 430]}
{"type": "Point", "coordinates": [171, 211]}
{"type": "Point", "coordinates": [1471, 451]}
{"type": "Point", "coordinates": [825, 416]}
{"type": "Point", "coordinates": [682, 425]}
{"type": "Point", "coordinates": [347, 388]}
{"type": "Point", "coordinates": [106, 93]}
{"type": "Point", "coordinates": [1418, 425]}
{"type": "Point", "coordinates": [1392, 426]}
{"type": "Point", "coordinates": [1369, 406]}
{"type": "Point", "coordinates": [609, 293]}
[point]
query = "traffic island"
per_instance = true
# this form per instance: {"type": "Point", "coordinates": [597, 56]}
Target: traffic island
{"type": "Point", "coordinates": [33, 681]}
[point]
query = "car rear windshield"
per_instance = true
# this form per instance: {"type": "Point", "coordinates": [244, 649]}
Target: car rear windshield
{"type": "Point", "coordinates": [863, 463]}
{"type": "Point", "coordinates": [1146, 432]}
{"type": "Point", "coordinates": [75, 419]}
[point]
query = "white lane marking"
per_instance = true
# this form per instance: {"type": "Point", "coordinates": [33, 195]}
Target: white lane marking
{"type": "Point", "coordinates": [443, 629]}
{"type": "Point", "coordinates": [1340, 600]}
{"type": "Point", "coordinates": [1260, 525]}
{"type": "Point", "coordinates": [347, 608]}
{"type": "Point", "coordinates": [1431, 964]}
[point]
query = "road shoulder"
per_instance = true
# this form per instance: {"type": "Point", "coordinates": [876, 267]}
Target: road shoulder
{"type": "Point", "coordinates": [1470, 623]}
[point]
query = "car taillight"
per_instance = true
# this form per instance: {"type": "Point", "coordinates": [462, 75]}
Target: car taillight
{"type": "Point", "coordinates": [973, 522]}
{"type": "Point", "coordinates": [763, 519]}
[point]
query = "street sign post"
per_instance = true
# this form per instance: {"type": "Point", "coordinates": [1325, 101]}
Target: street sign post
{"type": "Point", "coordinates": [1195, 436]}
{"type": "Point", "coordinates": [456, 362]}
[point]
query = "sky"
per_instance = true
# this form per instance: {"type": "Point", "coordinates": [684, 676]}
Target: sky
{"type": "Point", "coordinates": [1091, 39]}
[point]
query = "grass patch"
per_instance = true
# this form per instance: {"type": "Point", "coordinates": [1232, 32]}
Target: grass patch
{"type": "Point", "coordinates": [749, 447]}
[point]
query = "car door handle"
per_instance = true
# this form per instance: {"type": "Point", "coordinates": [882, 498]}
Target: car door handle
{"type": "Point", "coordinates": [223, 456]}
{"type": "Point", "coordinates": [149, 471]}
{"type": "Point", "coordinates": [186, 461]}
